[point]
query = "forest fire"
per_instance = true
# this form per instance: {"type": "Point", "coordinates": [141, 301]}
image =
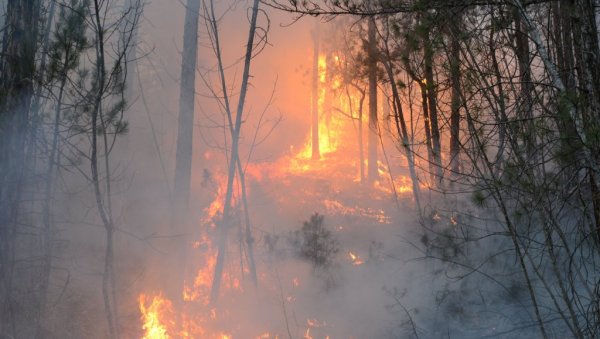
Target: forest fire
{"type": "Point", "coordinates": [339, 164]}
{"type": "Point", "coordinates": [299, 169]}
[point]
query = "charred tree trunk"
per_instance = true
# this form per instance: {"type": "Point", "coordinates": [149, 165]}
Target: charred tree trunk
{"type": "Point", "coordinates": [372, 170]}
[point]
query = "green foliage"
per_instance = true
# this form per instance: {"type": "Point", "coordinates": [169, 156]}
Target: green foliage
{"type": "Point", "coordinates": [315, 242]}
{"type": "Point", "coordinates": [69, 40]}
{"type": "Point", "coordinates": [478, 199]}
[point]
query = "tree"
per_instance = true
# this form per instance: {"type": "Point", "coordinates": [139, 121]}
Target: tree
{"type": "Point", "coordinates": [106, 105]}
{"type": "Point", "coordinates": [185, 136]}
{"type": "Point", "coordinates": [183, 158]}
{"type": "Point", "coordinates": [17, 72]}
{"type": "Point", "coordinates": [373, 169]}
{"type": "Point", "coordinates": [314, 101]}
{"type": "Point", "coordinates": [222, 242]}
{"type": "Point", "coordinates": [522, 107]}
{"type": "Point", "coordinates": [68, 43]}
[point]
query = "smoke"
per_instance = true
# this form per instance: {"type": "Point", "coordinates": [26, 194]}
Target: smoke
{"type": "Point", "coordinates": [375, 284]}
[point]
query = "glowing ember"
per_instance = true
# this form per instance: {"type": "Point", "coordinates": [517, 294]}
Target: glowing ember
{"type": "Point", "coordinates": [356, 260]}
{"type": "Point", "coordinates": [334, 207]}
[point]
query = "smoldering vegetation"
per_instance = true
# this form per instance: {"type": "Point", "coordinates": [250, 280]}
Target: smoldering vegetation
{"type": "Point", "coordinates": [284, 169]}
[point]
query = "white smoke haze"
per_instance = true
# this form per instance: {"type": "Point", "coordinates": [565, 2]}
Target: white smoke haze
{"type": "Point", "coordinates": [337, 255]}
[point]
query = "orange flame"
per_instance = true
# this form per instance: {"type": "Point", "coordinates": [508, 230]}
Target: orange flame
{"type": "Point", "coordinates": [356, 260]}
{"type": "Point", "coordinates": [155, 314]}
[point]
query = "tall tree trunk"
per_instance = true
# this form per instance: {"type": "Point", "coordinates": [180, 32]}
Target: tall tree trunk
{"type": "Point", "coordinates": [500, 113]}
{"type": "Point", "coordinates": [427, 125]}
{"type": "Point", "coordinates": [361, 138]}
{"type": "Point", "coordinates": [402, 131]}
{"type": "Point", "coordinates": [222, 245]}
{"type": "Point", "coordinates": [185, 137]}
{"type": "Point", "coordinates": [102, 187]}
{"type": "Point", "coordinates": [185, 131]}
{"type": "Point", "coordinates": [455, 95]}
{"type": "Point", "coordinates": [48, 223]}
{"type": "Point", "coordinates": [426, 120]}
{"type": "Point", "coordinates": [587, 62]}
{"type": "Point", "coordinates": [17, 71]}
{"type": "Point", "coordinates": [316, 153]}
{"type": "Point", "coordinates": [372, 170]}
{"type": "Point", "coordinates": [591, 158]}
{"type": "Point", "coordinates": [400, 123]}
{"type": "Point", "coordinates": [432, 103]}
{"type": "Point", "coordinates": [525, 105]}
{"type": "Point", "coordinates": [240, 168]}
{"type": "Point", "coordinates": [133, 11]}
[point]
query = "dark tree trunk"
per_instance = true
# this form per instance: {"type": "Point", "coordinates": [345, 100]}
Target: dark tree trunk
{"type": "Point", "coordinates": [455, 96]}
{"type": "Point", "coordinates": [316, 153]}
{"type": "Point", "coordinates": [183, 157]}
{"type": "Point", "coordinates": [432, 103]}
{"type": "Point", "coordinates": [180, 222]}
{"type": "Point", "coordinates": [525, 105]}
{"type": "Point", "coordinates": [372, 170]}
{"type": "Point", "coordinates": [223, 228]}
{"type": "Point", "coordinates": [314, 90]}
{"type": "Point", "coordinates": [17, 71]}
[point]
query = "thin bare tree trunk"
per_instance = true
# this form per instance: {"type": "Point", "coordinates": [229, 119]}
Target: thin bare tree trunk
{"type": "Point", "coordinates": [432, 104]}
{"type": "Point", "coordinates": [372, 170]}
{"type": "Point", "coordinates": [48, 235]}
{"type": "Point", "coordinates": [222, 245]}
{"type": "Point", "coordinates": [47, 238]}
{"type": "Point", "coordinates": [401, 128]}
{"type": "Point", "coordinates": [550, 67]}
{"type": "Point", "coordinates": [103, 204]}
{"type": "Point", "coordinates": [316, 153]}
{"type": "Point", "coordinates": [403, 134]}
{"type": "Point", "coordinates": [426, 119]}
{"type": "Point", "coordinates": [248, 236]}
{"type": "Point", "coordinates": [455, 95]}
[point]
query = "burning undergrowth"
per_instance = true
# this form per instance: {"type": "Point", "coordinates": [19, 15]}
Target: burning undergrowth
{"type": "Point", "coordinates": [317, 236]}
{"type": "Point", "coordinates": [321, 267]}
